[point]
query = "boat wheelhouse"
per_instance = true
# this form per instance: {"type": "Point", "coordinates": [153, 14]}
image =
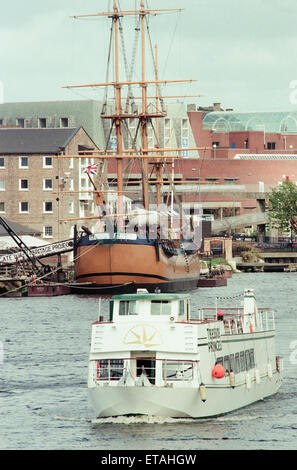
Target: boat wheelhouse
{"type": "Point", "coordinates": [154, 356]}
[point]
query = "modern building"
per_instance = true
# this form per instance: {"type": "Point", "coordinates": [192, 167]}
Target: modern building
{"type": "Point", "coordinates": [245, 156]}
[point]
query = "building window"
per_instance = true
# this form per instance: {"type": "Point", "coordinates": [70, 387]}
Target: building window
{"type": "Point", "coordinates": [42, 123]}
{"type": "Point", "coordinates": [230, 180]}
{"type": "Point", "coordinates": [64, 122]}
{"type": "Point", "coordinates": [2, 207]}
{"type": "Point", "coordinates": [271, 145]}
{"type": "Point", "coordinates": [23, 185]}
{"type": "Point", "coordinates": [212, 180]}
{"type": "Point", "coordinates": [48, 232]}
{"type": "Point", "coordinates": [48, 207]}
{"type": "Point", "coordinates": [23, 162]}
{"type": "Point", "coordinates": [47, 162]}
{"type": "Point", "coordinates": [2, 185]}
{"type": "Point", "coordinates": [47, 184]}
{"type": "Point", "coordinates": [151, 137]}
{"type": "Point", "coordinates": [24, 207]}
{"type": "Point", "coordinates": [20, 122]}
{"type": "Point", "coordinates": [71, 207]}
{"type": "Point", "coordinates": [71, 162]}
{"type": "Point", "coordinates": [167, 132]}
{"type": "Point", "coordinates": [2, 162]}
{"type": "Point", "coordinates": [185, 128]}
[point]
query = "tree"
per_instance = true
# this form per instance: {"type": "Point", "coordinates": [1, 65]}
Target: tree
{"type": "Point", "coordinates": [282, 208]}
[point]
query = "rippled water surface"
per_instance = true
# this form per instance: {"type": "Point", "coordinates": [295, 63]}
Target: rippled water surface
{"type": "Point", "coordinates": [43, 391]}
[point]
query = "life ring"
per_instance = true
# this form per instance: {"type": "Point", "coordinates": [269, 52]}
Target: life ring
{"type": "Point", "coordinates": [218, 372]}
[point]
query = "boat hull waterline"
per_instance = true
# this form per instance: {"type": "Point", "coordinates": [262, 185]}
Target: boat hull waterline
{"type": "Point", "coordinates": [124, 267]}
{"type": "Point", "coordinates": [179, 403]}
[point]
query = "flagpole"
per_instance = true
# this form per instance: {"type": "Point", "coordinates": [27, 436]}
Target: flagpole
{"type": "Point", "coordinates": [99, 195]}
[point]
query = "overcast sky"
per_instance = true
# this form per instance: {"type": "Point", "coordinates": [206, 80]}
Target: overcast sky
{"type": "Point", "coordinates": [243, 53]}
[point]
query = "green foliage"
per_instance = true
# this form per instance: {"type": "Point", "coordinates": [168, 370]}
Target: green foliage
{"type": "Point", "coordinates": [283, 207]}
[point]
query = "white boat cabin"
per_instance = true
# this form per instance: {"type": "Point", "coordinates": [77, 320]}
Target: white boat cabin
{"type": "Point", "coordinates": [154, 307]}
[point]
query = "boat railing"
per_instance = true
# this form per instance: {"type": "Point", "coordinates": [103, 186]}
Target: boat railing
{"type": "Point", "coordinates": [233, 318]}
{"type": "Point", "coordinates": [266, 319]}
{"type": "Point", "coordinates": [135, 372]}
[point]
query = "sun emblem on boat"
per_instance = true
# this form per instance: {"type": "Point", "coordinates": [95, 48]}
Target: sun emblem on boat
{"type": "Point", "coordinates": [146, 335]}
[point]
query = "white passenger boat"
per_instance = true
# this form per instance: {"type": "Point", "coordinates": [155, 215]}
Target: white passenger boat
{"type": "Point", "coordinates": [153, 357]}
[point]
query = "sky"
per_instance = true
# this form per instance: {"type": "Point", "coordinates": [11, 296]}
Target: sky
{"type": "Point", "coordinates": [241, 53]}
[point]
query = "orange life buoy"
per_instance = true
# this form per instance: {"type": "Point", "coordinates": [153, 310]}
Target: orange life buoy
{"type": "Point", "coordinates": [218, 372]}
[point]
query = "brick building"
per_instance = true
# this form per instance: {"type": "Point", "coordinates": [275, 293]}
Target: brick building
{"type": "Point", "coordinates": [247, 154]}
{"type": "Point", "coordinates": [32, 179]}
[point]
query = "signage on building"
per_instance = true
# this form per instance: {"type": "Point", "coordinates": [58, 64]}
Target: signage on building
{"type": "Point", "coordinates": [40, 252]}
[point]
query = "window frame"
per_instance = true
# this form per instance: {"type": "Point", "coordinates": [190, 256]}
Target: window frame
{"type": "Point", "coordinates": [21, 166]}
{"type": "Point", "coordinates": [44, 184]}
{"type": "Point", "coordinates": [20, 184]}
{"type": "Point", "coordinates": [45, 235]}
{"type": "Point", "coordinates": [21, 211]}
{"type": "Point", "coordinates": [45, 165]}
{"type": "Point", "coordinates": [44, 207]}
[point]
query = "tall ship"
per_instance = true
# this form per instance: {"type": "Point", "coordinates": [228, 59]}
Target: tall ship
{"type": "Point", "coordinates": [142, 238]}
{"type": "Point", "coordinates": [156, 355]}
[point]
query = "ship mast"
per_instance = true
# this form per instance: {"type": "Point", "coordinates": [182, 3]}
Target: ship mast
{"type": "Point", "coordinates": [144, 116]}
{"type": "Point", "coordinates": [117, 120]}
{"type": "Point", "coordinates": [144, 110]}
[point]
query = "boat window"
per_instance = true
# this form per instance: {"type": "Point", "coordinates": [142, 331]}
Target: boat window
{"type": "Point", "coordinates": [242, 361]}
{"type": "Point", "coordinates": [219, 360]}
{"type": "Point", "coordinates": [177, 370]}
{"type": "Point", "coordinates": [127, 307]}
{"type": "Point", "coordinates": [252, 358]}
{"type": "Point", "coordinates": [232, 363]}
{"type": "Point", "coordinates": [237, 363]}
{"type": "Point", "coordinates": [160, 307]}
{"type": "Point", "coordinates": [247, 360]}
{"type": "Point", "coordinates": [111, 310]}
{"type": "Point", "coordinates": [188, 310]}
{"type": "Point", "coordinates": [227, 364]}
{"type": "Point", "coordinates": [109, 369]}
{"type": "Point", "coordinates": [181, 308]}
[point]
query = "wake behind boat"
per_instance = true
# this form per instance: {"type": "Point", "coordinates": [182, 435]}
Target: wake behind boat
{"type": "Point", "coordinates": [152, 357]}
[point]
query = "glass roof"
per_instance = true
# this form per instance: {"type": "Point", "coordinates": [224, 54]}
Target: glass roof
{"type": "Point", "coordinates": [228, 121]}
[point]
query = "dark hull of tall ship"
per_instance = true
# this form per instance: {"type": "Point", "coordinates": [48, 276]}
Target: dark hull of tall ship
{"type": "Point", "coordinates": [110, 267]}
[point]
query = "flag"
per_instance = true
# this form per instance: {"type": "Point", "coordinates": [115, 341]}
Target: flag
{"type": "Point", "coordinates": [91, 170]}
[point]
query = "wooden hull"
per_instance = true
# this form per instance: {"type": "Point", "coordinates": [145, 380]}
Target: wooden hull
{"type": "Point", "coordinates": [212, 282]}
{"type": "Point", "coordinates": [124, 267]}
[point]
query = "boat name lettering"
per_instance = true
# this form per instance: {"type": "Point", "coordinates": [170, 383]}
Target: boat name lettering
{"type": "Point", "coordinates": [214, 339]}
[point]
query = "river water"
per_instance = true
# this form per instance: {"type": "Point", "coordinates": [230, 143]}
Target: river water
{"type": "Point", "coordinates": [43, 392]}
